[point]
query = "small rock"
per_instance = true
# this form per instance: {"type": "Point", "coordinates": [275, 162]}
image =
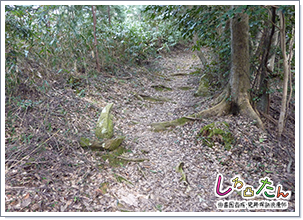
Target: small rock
{"type": "Point", "coordinates": [113, 144]}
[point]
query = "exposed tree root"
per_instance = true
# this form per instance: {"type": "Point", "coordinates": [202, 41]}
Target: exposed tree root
{"type": "Point", "coordinates": [224, 108]}
{"type": "Point", "coordinates": [218, 110]}
{"type": "Point", "coordinates": [222, 95]}
{"type": "Point", "coordinates": [152, 99]}
{"type": "Point", "coordinates": [132, 159]}
{"type": "Point", "coordinates": [285, 133]}
{"type": "Point", "coordinates": [160, 126]}
{"type": "Point", "coordinates": [246, 109]}
{"type": "Point", "coordinates": [221, 109]}
{"type": "Point", "coordinates": [180, 74]}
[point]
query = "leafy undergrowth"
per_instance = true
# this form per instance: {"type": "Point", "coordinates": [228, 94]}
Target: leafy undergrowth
{"type": "Point", "coordinates": [47, 170]}
{"type": "Point", "coordinates": [216, 133]}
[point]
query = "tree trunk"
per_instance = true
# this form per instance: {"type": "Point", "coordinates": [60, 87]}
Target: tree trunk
{"type": "Point", "coordinates": [199, 53]}
{"type": "Point", "coordinates": [257, 44]}
{"type": "Point", "coordinates": [289, 58]}
{"type": "Point", "coordinates": [108, 12]}
{"type": "Point", "coordinates": [263, 79]}
{"type": "Point", "coordinates": [237, 90]}
{"type": "Point", "coordinates": [271, 60]}
{"type": "Point", "coordinates": [286, 74]}
{"type": "Point", "coordinates": [239, 83]}
{"type": "Point", "coordinates": [239, 79]}
{"type": "Point", "coordinates": [96, 43]}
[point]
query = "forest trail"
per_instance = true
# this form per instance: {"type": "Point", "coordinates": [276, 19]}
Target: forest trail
{"type": "Point", "coordinates": [156, 185]}
{"type": "Point", "coordinates": [135, 68]}
{"type": "Point", "coordinates": [160, 189]}
{"type": "Point", "coordinates": [179, 173]}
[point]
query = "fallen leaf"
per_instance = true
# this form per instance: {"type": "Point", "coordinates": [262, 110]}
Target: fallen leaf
{"type": "Point", "coordinates": [26, 196]}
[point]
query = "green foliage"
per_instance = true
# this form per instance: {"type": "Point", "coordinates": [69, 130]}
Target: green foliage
{"type": "Point", "coordinates": [62, 36]}
{"type": "Point", "coordinates": [59, 38]}
{"type": "Point", "coordinates": [216, 132]}
{"type": "Point", "coordinates": [210, 24]}
{"type": "Point", "coordinates": [260, 24]}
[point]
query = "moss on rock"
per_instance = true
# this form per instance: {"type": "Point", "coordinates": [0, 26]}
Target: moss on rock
{"type": "Point", "coordinates": [104, 127]}
{"type": "Point", "coordinates": [113, 144]}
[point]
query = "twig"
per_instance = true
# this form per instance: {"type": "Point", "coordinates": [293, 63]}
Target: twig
{"type": "Point", "coordinates": [25, 187]}
{"type": "Point", "coordinates": [141, 171]}
{"type": "Point", "coordinates": [36, 162]}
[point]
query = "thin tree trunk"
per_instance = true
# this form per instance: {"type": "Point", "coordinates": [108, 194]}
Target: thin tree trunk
{"type": "Point", "coordinates": [286, 75]}
{"type": "Point", "coordinates": [289, 58]}
{"type": "Point", "coordinates": [159, 38]}
{"type": "Point", "coordinates": [271, 60]}
{"type": "Point", "coordinates": [199, 53]}
{"type": "Point", "coordinates": [264, 79]}
{"type": "Point", "coordinates": [257, 44]}
{"type": "Point", "coordinates": [96, 43]}
{"type": "Point", "coordinates": [108, 12]}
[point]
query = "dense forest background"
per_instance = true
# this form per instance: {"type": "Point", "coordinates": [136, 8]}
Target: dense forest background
{"type": "Point", "coordinates": [65, 63]}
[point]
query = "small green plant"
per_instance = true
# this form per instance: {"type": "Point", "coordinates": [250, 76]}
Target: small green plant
{"type": "Point", "coordinates": [26, 139]}
{"type": "Point", "coordinates": [159, 207]}
{"type": "Point", "coordinates": [24, 104]}
{"type": "Point", "coordinates": [81, 93]}
{"type": "Point", "coordinates": [49, 126]}
{"type": "Point", "coordinates": [216, 132]}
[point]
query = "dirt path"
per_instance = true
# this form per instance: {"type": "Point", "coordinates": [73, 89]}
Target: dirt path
{"type": "Point", "coordinates": [157, 185]}
{"type": "Point", "coordinates": [156, 182]}
{"type": "Point", "coordinates": [71, 179]}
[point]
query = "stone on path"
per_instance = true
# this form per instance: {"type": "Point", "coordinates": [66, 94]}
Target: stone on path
{"type": "Point", "coordinates": [113, 144]}
{"type": "Point", "coordinates": [104, 128]}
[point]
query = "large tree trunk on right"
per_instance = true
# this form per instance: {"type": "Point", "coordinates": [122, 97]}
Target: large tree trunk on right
{"type": "Point", "coordinates": [239, 79]}
{"type": "Point", "coordinates": [239, 83]}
